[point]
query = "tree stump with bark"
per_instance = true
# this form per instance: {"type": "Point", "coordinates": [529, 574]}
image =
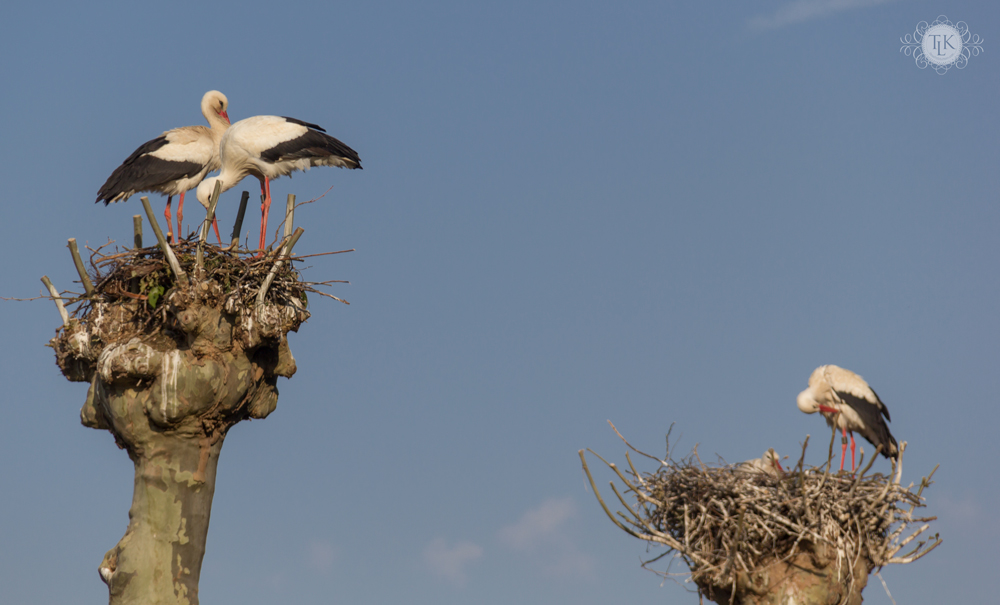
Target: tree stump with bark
{"type": "Point", "coordinates": [178, 345]}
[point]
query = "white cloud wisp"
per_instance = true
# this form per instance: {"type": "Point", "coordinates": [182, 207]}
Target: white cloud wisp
{"type": "Point", "coordinates": [807, 10]}
{"type": "Point", "coordinates": [449, 561]}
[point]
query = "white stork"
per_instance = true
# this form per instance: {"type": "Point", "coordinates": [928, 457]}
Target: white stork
{"type": "Point", "coordinates": [268, 147]}
{"type": "Point", "coordinates": [173, 162]}
{"type": "Point", "coordinates": [768, 464]}
{"type": "Point", "coordinates": [847, 402]}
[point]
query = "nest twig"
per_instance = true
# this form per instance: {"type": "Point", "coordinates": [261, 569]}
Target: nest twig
{"type": "Point", "coordinates": [724, 521]}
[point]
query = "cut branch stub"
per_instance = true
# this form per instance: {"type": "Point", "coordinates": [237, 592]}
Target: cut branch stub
{"type": "Point", "coordinates": [289, 214]}
{"type": "Point", "coordinates": [203, 232]}
{"type": "Point", "coordinates": [285, 250]}
{"type": "Point", "coordinates": [137, 230]}
{"type": "Point", "coordinates": [168, 253]}
{"type": "Point", "coordinates": [213, 200]}
{"type": "Point", "coordinates": [238, 225]}
{"type": "Point", "coordinates": [56, 299]}
{"type": "Point", "coordinates": [88, 286]}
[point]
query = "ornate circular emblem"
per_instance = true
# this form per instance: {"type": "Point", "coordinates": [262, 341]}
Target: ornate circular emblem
{"type": "Point", "coordinates": [942, 44]}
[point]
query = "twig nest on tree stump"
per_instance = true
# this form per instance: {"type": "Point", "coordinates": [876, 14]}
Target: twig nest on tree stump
{"type": "Point", "coordinates": [177, 350]}
{"type": "Point", "coordinates": [192, 357]}
{"type": "Point", "coordinates": [755, 538]}
{"type": "Point", "coordinates": [753, 529]}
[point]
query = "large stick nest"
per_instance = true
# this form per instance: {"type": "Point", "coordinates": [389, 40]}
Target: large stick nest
{"type": "Point", "coordinates": [134, 289]}
{"type": "Point", "coordinates": [725, 520]}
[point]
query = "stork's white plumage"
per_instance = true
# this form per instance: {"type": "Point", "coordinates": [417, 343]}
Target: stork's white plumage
{"type": "Point", "coordinates": [268, 147]}
{"type": "Point", "coordinates": [768, 464]}
{"type": "Point", "coordinates": [847, 402]}
{"type": "Point", "coordinates": [173, 162]}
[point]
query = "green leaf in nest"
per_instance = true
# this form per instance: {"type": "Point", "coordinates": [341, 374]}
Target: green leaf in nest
{"type": "Point", "coordinates": [154, 295]}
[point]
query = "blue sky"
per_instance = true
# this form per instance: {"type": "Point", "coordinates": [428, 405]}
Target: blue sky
{"type": "Point", "coordinates": [570, 212]}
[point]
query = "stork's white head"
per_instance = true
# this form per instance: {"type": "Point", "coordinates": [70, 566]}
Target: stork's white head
{"type": "Point", "coordinates": [771, 457]}
{"type": "Point", "coordinates": [805, 399]}
{"type": "Point", "coordinates": [205, 189]}
{"type": "Point", "coordinates": [215, 103]}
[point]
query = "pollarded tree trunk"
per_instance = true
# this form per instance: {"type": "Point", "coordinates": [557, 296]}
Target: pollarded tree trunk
{"type": "Point", "coordinates": [814, 576]}
{"type": "Point", "coordinates": [159, 558]}
{"type": "Point", "coordinates": [169, 396]}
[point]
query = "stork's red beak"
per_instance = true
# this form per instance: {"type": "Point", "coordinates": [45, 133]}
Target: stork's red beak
{"type": "Point", "coordinates": [823, 408]}
{"type": "Point", "coordinates": [777, 465]}
{"type": "Point", "coordinates": [225, 116]}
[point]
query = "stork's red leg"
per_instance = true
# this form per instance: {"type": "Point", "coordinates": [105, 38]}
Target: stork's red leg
{"type": "Point", "coordinates": [843, 448]}
{"type": "Point", "coordinates": [166, 213]}
{"type": "Point", "coordinates": [265, 209]}
{"type": "Point", "coordinates": [263, 200]}
{"type": "Point", "coordinates": [180, 217]}
{"type": "Point", "coordinates": [852, 452]}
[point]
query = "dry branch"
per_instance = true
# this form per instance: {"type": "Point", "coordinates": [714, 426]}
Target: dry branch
{"type": "Point", "coordinates": [56, 299]}
{"type": "Point", "coordinates": [210, 211]}
{"type": "Point", "coordinates": [234, 244]}
{"type": "Point", "coordinates": [289, 214]}
{"type": "Point", "coordinates": [168, 253]}
{"type": "Point", "coordinates": [209, 218]}
{"type": "Point", "coordinates": [286, 249]}
{"type": "Point", "coordinates": [80, 269]}
{"type": "Point", "coordinates": [137, 230]}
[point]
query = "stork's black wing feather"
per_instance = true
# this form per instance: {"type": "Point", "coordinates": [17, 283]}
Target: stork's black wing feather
{"type": "Point", "coordinates": [876, 430]}
{"type": "Point", "coordinates": [312, 144]}
{"type": "Point", "coordinates": [306, 124]}
{"type": "Point", "coordinates": [144, 172]}
{"type": "Point", "coordinates": [885, 410]}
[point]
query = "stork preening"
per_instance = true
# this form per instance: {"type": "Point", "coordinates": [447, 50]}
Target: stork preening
{"type": "Point", "coordinates": [268, 147]}
{"type": "Point", "coordinates": [847, 402]}
{"type": "Point", "coordinates": [769, 464]}
{"type": "Point", "coordinates": [173, 162]}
